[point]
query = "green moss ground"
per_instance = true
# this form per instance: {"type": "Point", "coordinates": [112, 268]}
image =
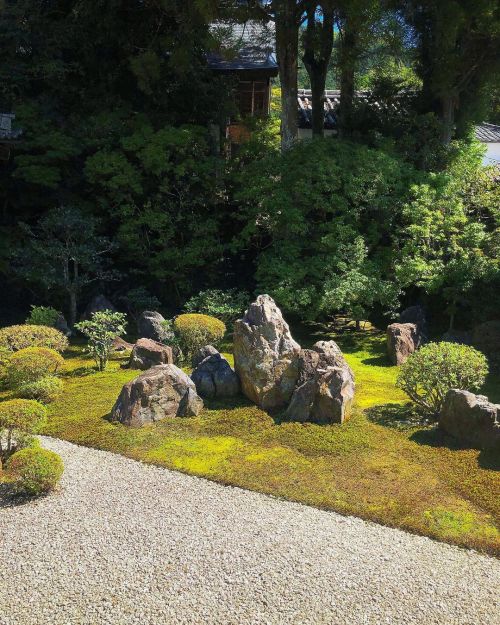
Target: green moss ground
{"type": "Point", "coordinates": [375, 466]}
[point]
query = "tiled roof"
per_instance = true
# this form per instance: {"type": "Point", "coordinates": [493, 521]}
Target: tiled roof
{"type": "Point", "coordinates": [488, 133]}
{"type": "Point", "coordinates": [331, 103]}
{"type": "Point", "coordinates": [250, 46]}
{"type": "Point", "coordinates": [6, 130]}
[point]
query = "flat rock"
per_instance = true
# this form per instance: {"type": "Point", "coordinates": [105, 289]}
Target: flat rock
{"type": "Point", "coordinates": [265, 355]}
{"type": "Point", "coordinates": [119, 345]}
{"type": "Point", "coordinates": [160, 392]}
{"type": "Point", "coordinates": [147, 353]}
{"type": "Point", "coordinates": [471, 419]}
{"type": "Point", "coordinates": [214, 377]}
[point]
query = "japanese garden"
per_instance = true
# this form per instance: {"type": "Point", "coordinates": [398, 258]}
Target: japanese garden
{"type": "Point", "coordinates": [250, 330]}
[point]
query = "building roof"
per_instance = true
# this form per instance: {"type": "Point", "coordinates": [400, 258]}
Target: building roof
{"type": "Point", "coordinates": [248, 46]}
{"type": "Point", "coordinates": [488, 133]}
{"type": "Point", "coordinates": [6, 130]}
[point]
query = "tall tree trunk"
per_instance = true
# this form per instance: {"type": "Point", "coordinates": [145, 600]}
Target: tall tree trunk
{"type": "Point", "coordinates": [318, 44]}
{"type": "Point", "coordinates": [447, 118]}
{"type": "Point", "coordinates": [348, 62]}
{"type": "Point", "coordinates": [73, 310]}
{"type": "Point", "coordinates": [287, 51]}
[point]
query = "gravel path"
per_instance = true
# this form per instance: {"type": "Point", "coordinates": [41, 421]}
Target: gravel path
{"type": "Point", "coordinates": [125, 543]}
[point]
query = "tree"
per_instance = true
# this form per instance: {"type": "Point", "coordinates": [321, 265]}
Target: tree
{"type": "Point", "coordinates": [65, 253]}
{"type": "Point", "coordinates": [101, 330]}
{"type": "Point", "coordinates": [318, 45]}
{"type": "Point", "coordinates": [459, 64]}
{"type": "Point", "coordinates": [446, 249]}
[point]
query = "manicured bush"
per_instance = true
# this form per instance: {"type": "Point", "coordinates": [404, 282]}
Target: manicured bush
{"type": "Point", "coordinates": [18, 337]}
{"type": "Point", "coordinates": [225, 305]}
{"type": "Point", "coordinates": [19, 416]}
{"type": "Point", "coordinates": [35, 471]}
{"type": "Point", "coordinates": [43, 316]}
{"type": "Point", "coordinates": [31, 364]}
{"type": "Point", "coordinates": [45, 390]}
{"type": "Point", "coordinates": [103, 327]}
{"type": "Point", "coordinates": [430, 372]}
{"type": "Point", "coordinates": [195, 331]}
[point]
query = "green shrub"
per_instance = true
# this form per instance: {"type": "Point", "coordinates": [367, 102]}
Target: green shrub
{"type": "Point", "coordinates": [43, 316]}
{"type": "Point", "coordinates": [195, 331]}
{"type": "Point", "coordinates": [430, 372]}
{"type": "Point", "coordinates": [35, 471]}
{"type": "Point", "coordinates": [225, 305]}
{"type": "Point", "coordinates": [31, 364]}
{"type": "Point", "coordinates": [18, 337]}
{"type": "Point", "coordinates": [19, 417]}
{"type": "Point", "coordinates": [103, 327]}
{"type": "Point", "coordinates": [45, 390]}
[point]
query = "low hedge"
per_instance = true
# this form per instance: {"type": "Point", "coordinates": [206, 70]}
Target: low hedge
{"type": "Point", "coordinates": [32, 364]}
{"type": "Point", "coordinates": [18, 337]}
{"type": "Point", "coordinates": [45, 390]}
{"type": "Point", "coordinates": [34, 471]}
{"type": "Point", "coordinates": [196, 330]}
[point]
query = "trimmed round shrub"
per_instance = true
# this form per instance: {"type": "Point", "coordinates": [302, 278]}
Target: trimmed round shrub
{"type": "Point", "coordinates": [196, 330]}
{"type": "Point", "coordinates": [31, 364]}
{"type": "Point", "coordinates": [43, 316]}
{"type": "Point", "coordinates": [26, 415]}
{"type": "Point", "coordinates": [434, 369]}
{"type": "Point", "coordinates": [35, 471]}
{"type": "Point", "coordinates": [45, 390]}
{"type": "Point", "coordinates": [18, 337]}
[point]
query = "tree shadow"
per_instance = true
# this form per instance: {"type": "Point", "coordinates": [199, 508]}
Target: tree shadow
{"type": "Point", "coordinates": [79, 372]}
{"type": "Point", "coordinates": [9, 499]}
{"type": "Point", "coordinates": [398, 416]}
{"type": "Point", "coordinates": [435, 437]}
{"type": "Point", "coordinates": [377, 361]}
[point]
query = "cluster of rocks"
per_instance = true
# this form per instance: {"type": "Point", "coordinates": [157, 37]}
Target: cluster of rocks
{"type": "Point", "coordinates": [272, 370]}
{"type": "Point", "coordinates": [407, 335]}
{"type": "Point", "coordinates": [311, 385]}
{"type": "Point", "coordinates": [471, 418]}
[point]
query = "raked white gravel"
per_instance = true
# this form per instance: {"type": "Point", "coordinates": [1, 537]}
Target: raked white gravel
{"type": "Point", "coordinates": [125, 543]}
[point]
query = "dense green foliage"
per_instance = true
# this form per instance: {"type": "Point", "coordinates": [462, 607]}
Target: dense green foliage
{"type": "Point", "coordinates": [225, 305]}
{"type": "Point", "coordinates": [42, 316]}
{"type": "Point", "coordinates": [31, 364]}
{"type": "Point", "coordinates": [44, 390]}
{"type": "Point", "coordinates": [434, 369]}
{"type": "Point", "coordinates": [34, 471]}
{"type": "Point", "coordinates": [195, 331]}
{"type": "Point", "coordinates": [101, 329]}
{"type": "Point", "coordinates": [19, 418]}
{"type": "Point", "coordinates": [18, 337]}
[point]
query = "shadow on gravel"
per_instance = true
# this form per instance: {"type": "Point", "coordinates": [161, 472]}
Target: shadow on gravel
{"type": "Point", "coordinates": [9, 500]}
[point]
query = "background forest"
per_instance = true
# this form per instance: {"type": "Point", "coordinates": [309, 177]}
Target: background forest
{"type": "Point", "coordinates": [116, 186]}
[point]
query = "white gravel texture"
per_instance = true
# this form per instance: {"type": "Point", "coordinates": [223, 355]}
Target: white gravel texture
{"type": "Point", "coordinates": [126, 543]}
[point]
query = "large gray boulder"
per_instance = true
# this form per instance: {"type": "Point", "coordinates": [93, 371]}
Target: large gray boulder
{"type": "Point", "coordinates": [62, 325]}
{"type": "Point", "coordinates": [202, 353]}
{"type": "Point", "coordinates": [265, 355]}
{"type": "Point", "coordinates": [99, 303]}
{"type": "Point", "coordinates": [160, 392]}
{"type": "Point", "coordinates": [214, 377]}
{"type": "Point", "coordinates": [325, 388]}
{"type": "Point", "coordinates": [147, 353]}
{"type": "Point", "coordinates": [149, 326]}
{"type": "Point", "coordinates": [471, 419]}
{"type": "Point", "coordinates": [402, 340]}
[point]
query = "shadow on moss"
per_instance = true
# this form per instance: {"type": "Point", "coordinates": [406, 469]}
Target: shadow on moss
{"type": "Point", "coordinates": [397, 416]}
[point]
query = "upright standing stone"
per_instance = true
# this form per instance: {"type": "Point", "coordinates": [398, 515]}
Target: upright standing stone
{"type": "Point", "coordinates": [265, 355]}
{"type": "Point", "coordinates": [149, 326]}
{"type": "Point", "coordinates": [99, 303]}
{"type": "Point", "coordinates": [214, 377]}
{"type": "Point", "coordinates": [402, 340]}
{"type": "Point", "coordinates": [325, 389]}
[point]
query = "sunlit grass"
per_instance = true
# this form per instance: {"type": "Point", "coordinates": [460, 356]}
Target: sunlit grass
{"type": "Point", "coordinates": [409, 477]}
